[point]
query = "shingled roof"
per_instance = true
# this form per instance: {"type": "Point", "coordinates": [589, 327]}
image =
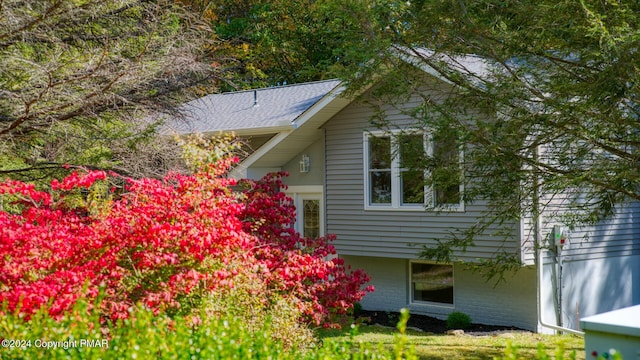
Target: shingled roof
{"type": "Point", "coordinates": [292, 115]}
{"type": "Point", "coordinates": [252, 111]}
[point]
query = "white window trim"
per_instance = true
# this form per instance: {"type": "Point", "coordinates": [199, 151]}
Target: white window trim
{"type": "Point", "coordinates": [430, 303]}
{"type": "Point", "coordinates": [429, 194]}
{"type": "Point", "coordinates": [395, 178]}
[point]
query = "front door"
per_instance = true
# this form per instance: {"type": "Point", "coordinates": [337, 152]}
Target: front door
{"type": "Point", "coordinates": [309, 211]}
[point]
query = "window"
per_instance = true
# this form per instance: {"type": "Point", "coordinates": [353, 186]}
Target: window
{"type": "Point", "coordinates": [446, 173]}
{"type": "Point", "coordinates": [410, 149]}
{"type": "Point", "coordinates": [311, 218]}
{"type": "Point", "coordinates": [431, 283]}
{"type": "Point", "coordinates": [394, 177]}
{"type": "Point", "coordinates": [380, 169]}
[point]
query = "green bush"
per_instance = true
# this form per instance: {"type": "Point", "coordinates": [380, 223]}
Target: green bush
{"type": "Point", "coordinates": [245, 302]}
{"type": "Point", "coordinates": [81, 335]}
{"type": "Point", "coordinates": [143, 336]}
{"type": "Point", "coordinates": [357, 309]}
{"type": "Point", "coordinates": [458, 320]}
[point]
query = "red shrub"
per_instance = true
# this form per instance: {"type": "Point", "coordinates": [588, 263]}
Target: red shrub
{"type": "Point", "coordinates": [307, 268]}
{"type": "Point", "coordinates": [163, 244]}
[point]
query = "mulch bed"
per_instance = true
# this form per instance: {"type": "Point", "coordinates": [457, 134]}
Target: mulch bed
{"type": "Point", "coordinates": [429, 324]}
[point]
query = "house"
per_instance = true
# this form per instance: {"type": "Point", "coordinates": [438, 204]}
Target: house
{"type": "Point", "coordinates": [345, 179]}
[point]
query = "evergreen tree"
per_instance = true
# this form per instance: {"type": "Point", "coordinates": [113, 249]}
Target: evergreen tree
{"type": "Point", "coordinates": [76, 74]}
{"type": "Point", "coordinates": [547, 111]}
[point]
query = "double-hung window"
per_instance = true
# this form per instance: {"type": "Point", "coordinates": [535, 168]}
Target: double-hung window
{"type": "Point", "coordinates": [396, 171]}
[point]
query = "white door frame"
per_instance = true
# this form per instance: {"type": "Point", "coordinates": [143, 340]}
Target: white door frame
{"type": "Point", "coordinates": [306, 192]}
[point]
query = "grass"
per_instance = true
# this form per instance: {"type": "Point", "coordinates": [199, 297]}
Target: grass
{"type": "Point", "coordinates": [430, 346]}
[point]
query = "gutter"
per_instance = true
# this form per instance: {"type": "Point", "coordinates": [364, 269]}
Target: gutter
{"type": "Point", "coordinates": [241, 170]}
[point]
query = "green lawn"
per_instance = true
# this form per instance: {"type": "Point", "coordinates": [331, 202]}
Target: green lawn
{"type": "Point", "coordinates": [430, 346]}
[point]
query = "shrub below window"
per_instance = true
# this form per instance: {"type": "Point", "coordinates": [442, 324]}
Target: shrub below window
{"type": "Point", "coordinates": [458, 320]}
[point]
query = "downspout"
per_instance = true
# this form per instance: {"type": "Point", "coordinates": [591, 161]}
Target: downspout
{"type": "Point", "coordinates": [539, 263]}
{"type": "Point", "coordinates": [324, 179]}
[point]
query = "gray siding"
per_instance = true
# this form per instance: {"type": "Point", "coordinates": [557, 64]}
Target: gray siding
{"type": "Point", "coordinates": [386, 233]}
{"type": "Point", "coordinates": [618, 236]}
{"type": "Point", "coordinates": [595, 271]}
{"type": "Point", "coordinates": [600, 263]}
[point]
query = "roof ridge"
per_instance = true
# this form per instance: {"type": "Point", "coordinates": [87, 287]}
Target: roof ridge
{"type": "Point", "coordinates": [277, 87]}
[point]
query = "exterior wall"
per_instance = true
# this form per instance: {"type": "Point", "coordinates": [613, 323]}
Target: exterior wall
{"type": "Point", "coordinates": [511, 303]}
{"type": "Point", "coordinates": [597, 270]}
{"type": "Point", "coordinates": [390, 279]}
{"type": "Point", "coordinates": [589, 287]}
{"type": "Point", "coordinates": [387, 233]}
{"type": "Point", "coordinates": [256, 173]}
{"type": "Point", "coordinates": [617, 236]}
{"type": "Point", "coordinates": [600, 265]}
{"type": "Point", "coordinates": [315, 176]}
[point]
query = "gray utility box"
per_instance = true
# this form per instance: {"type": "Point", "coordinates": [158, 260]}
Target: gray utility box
{"type": "Point", "coordinates": [618, 330]}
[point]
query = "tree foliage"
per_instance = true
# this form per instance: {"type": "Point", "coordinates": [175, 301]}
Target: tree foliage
{"type": "Point", "coordinates": [543, 94]}
{"type": "Point", "coordinates": [547, 112]}
{"type": "Point", "coordinates": [274, 42]}
{"type": "Point", "coordinates": [75, 74]}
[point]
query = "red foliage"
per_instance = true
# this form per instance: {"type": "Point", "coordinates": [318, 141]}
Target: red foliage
{"type": "Point", "coordinates": [307, 268]}
{"type": "Point", "coordinates": [162, 241]}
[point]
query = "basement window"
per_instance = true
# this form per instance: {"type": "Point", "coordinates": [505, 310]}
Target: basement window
{"type": "Point", "coordinates": [431, 283]}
